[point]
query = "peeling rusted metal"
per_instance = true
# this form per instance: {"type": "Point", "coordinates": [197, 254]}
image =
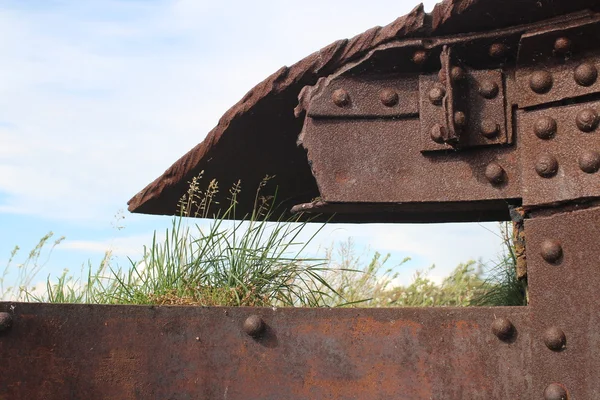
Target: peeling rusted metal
{"type": "Point", "coordinates": [261, 130]}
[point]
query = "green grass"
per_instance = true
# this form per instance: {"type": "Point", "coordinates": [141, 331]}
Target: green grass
{"type": "Point", "coordinates": [254, 262]}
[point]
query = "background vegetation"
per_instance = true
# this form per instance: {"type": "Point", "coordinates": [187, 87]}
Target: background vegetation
{"type": "Point", "coordinates": [253, 262]}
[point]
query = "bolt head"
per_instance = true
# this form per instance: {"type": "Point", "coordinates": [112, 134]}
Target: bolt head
{"type": "Point", "coordinates": [488, 89]}
{"type": "Point", "coordinates": [587, 120]}
{"type": "Point", "coordinates": [437, 93]}
{"type": "Point", "coordinates": [419, 57]}
{"type": "Point", "coordinates": [586, 74]}
{"type": "Point", "coordinates": [340, 98]}
{"type": "Point", "coordinates": [457, 74]}
{"type": "Point", "coordinates": [437, 134]}
{"type": "Point", "coordinates": [5, 321]}
{"type": "Point", "coordinates": [388, 97]}
{"type": "Point", "coordinates": [254, 326]}
{"type": "Point", "coordinates": [494, 173]}
{"type": "Point", "coordinates": [489, 128]}
{"type": "Point", "coordinates": [555, 339]}
{"type": "Point", "coordinates": [545, 128]}
{"type": "Point", "coordinates": [546, 166]}
{"type": "Point", "coordinates": [460, 119]}
{"type": "Point", "coordinates": [562, 45]}
{"type": "Point", "coordinates": [589, 161]}
{"type": "Point", "coordinates": [503, 328]}
{"type": "Point", "coordinates": [541, 82]}
{"type": "Point", "coordinates": [555, 391]}
{"type": "Point", "coordinates": [498, 50]}
{"type": "Point", "coordinates": [551, 251]}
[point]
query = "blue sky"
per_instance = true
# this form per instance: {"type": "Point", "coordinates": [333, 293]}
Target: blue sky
{"type": "Point", "coordinates": [99, 97]}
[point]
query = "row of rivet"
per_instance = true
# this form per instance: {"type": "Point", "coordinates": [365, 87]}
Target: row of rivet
{"type": "Point", "coordinates": [496, 50]}
{"type": "Point", "coordinates": [586, 120]}
{"type": "Point", "coordinates": [585, 75]}
{"type": "Point", "coordinates": [554, 338]}
{"type": "Point", "coordinates": [388, 97]}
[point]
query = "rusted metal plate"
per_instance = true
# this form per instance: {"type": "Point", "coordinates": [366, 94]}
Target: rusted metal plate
{"type": "Point", "coordinates": [559, 63]}
{"type": "Point", "coordinates": [393, 95]}
{"type": "Point", "coordinates": [560, 155]}
{"type": "Point", "coordinates": [380, 161]}
{"type": "Point", "coordinates": [128, 352]}
{"type": "Point", "coordinates": [482, 102]}
{"type": "Point", "coordinates": [563, 258]}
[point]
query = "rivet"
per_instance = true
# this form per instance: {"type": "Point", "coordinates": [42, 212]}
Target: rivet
{"type": "Point", "coordinates": [587, 120]}
{"type": "Point", "coordinates": [489, 128]}
{"type": "Point", "coordinates": [437, 134]}
{"type": "Point", "coordinates": [341, 98]}
{"type": "Point", "coordinates": [420, 57]}
{"type": "Point", "coordinates": [494, 173]}
{"type": "Point", "coordinates": [555, 339]}
{"type": "Point", "coordinates": [388, 97]}
{"type": "Point", "coordinates": [545, 128]}
{"type": "Point", "coordinates": [546, 166]}
{"type": "Point", "coordinates": [586, 74]}
{"type": "Point", "coordinates": [488, 89]}
{"type": "Point", "coordinates": [437, 93]}
{"type": "Point", "coordinates": [460, 119]}
{"type": "Point", "coordinates": [551, 251]}
{"type": "Point", "coordinates": [589, 161]}
{"type": "Point", "coordinates": [498, 50]}
{"type": "Point", "coordinates": [457, 74]}
{"type": "Point", "coordinates": [562, 45]}
{"type": "Point", "coordinates": [254, 326]}
{"type": "Point", "coordinates": [5, 321]}
{"type": "Point", "coordinates": [503, 328]}
{"type": "Point", "coordinates": [541, 82]}
{"type": "Point", "coordinates": [555, 391]}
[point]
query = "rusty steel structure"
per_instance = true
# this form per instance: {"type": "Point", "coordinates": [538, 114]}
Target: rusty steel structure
{"type": "Point", "coordinates": [479, 111]}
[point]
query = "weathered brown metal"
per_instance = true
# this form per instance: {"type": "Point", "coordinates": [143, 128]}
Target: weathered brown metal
{"type": "Point", "coordinates": [467, 114]}
{"type": "Point", "coordinates": [261, 130]}
{"type": "Point", "coordinates": [97, 352]}
{"type": "Point", "coordinates": [563, 298]}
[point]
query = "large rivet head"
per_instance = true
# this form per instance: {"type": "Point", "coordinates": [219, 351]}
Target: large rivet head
{"type": "Point", "coordinates": [254, 326]}
{"type": "Point", "coordinates": [419, 57]}
{"type": "Point", "coordinates": [388, 97]}
{"type": "Point", "coordinates": [503, 328]}
{"type": "Point", "coordinates": [589, 161]}
{"type": "Point", "coordinates": [562, 45]}
{"type": "Point", "coordinates": [340, 98]}
{"type": "Point", "coordinates": [551, 251]}
{"type": "Point", "coordinates": [488, 89]}
{"type": "Point", "coordinates": [541, 82]}
{"type": "Point", "coordinates": [457, 74]}
{"type": "Point", "coordinates": [5, 321]}
{"type": "Point", "coordinates": [546, 166]}
{"type": "Point", "coordinates": [555, 339]}
{"type": "Point", "coordinates": [460, 119]}
{"type": "Point", "coordinates": [437, 93]}
{"type": "Point", "coordinates": [437, 134]}
{"type": "Point", "coordinates": [587, 120]}
{"type": "Point", "coordinates": [489, 128]}
{"type": "Point", "coordinates": [545, 128]}
{"type": "Point", "coordinates": [494, 173]}
{"type": "Point", "coordinates": [586, 74]}
{"type": "Point", "coordinates": [498, 50]}
{"type": "Point", "coordinates": [555, 391]}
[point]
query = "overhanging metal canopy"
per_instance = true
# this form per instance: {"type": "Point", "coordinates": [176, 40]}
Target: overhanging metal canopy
{"type": "Point", "coordinates": [375, 158]}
